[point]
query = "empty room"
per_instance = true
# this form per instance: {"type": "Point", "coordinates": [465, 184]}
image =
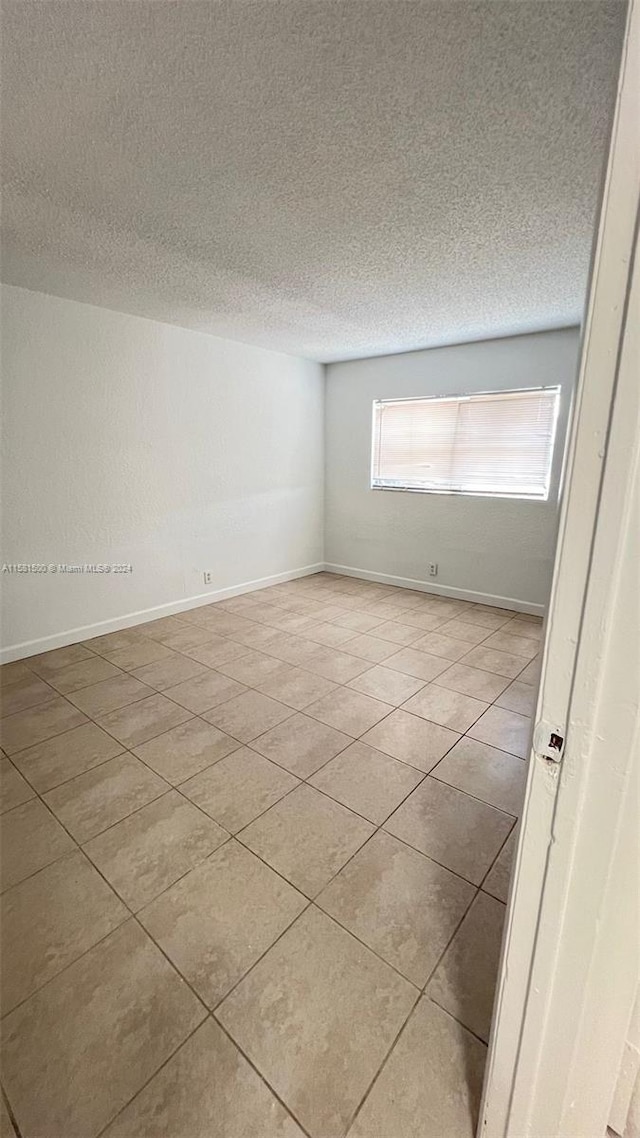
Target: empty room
{"type": "Point", "coordinates": [295, 309]}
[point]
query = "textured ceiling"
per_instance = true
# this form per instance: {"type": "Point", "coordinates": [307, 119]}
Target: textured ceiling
{"type": "Point", "coordinates": [333, 178]}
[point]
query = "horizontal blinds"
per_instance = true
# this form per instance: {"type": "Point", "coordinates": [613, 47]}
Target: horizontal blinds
{"type": "Point", "coordinates": [498, 443]}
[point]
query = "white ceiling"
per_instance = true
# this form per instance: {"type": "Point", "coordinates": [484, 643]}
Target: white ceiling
{"type": "Point", "coordinates": [334, 178]}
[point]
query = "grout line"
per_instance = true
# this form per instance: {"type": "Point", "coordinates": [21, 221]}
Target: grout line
{"type": "Point", "coordinates": [458, 1021]}
{"type": "Point", "coordinates": [12, 1117]}
{"type": "Point", "coordinates": [121, 1110]}
{"type": "Point", "coordinates": [304, 781]}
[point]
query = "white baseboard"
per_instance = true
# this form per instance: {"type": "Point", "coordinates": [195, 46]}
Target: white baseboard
{"type": "Point", "coordinates": [116, 624]}
{"type": "Point", "coordinates": [439, 590]}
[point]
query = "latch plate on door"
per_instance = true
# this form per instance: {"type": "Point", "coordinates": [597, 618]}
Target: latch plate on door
{"type": "Point", "coordinates": [548, 741]}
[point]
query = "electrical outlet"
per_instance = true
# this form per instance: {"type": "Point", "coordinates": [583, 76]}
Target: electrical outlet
{"type": "Point", "coordinates": [433, 569]}
{"type": "Point", "coordinates": [208, 577]}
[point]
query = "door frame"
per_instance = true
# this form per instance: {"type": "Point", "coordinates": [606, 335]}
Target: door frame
{"type": "Point", "coordinates": [569, 968]}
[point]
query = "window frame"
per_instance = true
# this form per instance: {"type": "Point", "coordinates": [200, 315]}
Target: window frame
{"type": "Point", "coordinates": [552, 387]}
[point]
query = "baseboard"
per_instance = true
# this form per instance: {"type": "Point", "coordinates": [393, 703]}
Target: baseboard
{"type": "Point", "coordinates": [116, 624]}
{"type": "Point", "coordinates": [439, 590]}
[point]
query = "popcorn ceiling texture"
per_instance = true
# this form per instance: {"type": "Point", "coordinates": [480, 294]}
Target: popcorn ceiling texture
{"type": "Point", "coordinates": [332, 178]}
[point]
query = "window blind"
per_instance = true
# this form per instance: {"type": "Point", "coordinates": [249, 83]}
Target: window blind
{"type": "Point", "coordinates": [498, 443]}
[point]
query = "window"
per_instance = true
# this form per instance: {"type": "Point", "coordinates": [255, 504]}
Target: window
{"type": "Point", "coordinates": [499, 443]}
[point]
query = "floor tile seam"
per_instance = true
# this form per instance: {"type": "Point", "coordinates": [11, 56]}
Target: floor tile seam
{"type": "Point", "coordinates": [261, 1076]}
{"type": "Point", "coordinates": [460, 1023]}
{"type": "Point", "coordinates": [312, 904]}
{"type": "Point", "coordinates": [41, 793]}
{"type": "Point", "coordinates": [423, 995]}
{"type": "Point", "coordinates": [382, 1065]}
{"type": "Point", "coordinates": [9, 1110]}
{"type": "Point", "coordinates": [419, 988]}
{"type": "Point", "coordinates": [164, 1063]}
{"type": "Point", "coordinates": [38, 702]}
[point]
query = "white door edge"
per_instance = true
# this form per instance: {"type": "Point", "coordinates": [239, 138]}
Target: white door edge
{"type": "Point", "coordinates": [534, 1085]}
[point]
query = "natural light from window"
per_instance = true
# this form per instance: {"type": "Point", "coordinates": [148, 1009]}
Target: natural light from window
{"type": "Point", "coordinates": [498, 443]}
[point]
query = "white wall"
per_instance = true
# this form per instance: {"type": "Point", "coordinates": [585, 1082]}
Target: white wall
{"type": "Point", "coordinates": [133, 441]}
{"type": "Point", "coordinates": [494, 546]}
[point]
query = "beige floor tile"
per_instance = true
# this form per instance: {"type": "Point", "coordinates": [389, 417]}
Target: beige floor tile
{"type": "Point", "coordinates": [504, 729]}
{"type": "Point", "coordinates": [185, 750]}
{"type": "Point", "coordinates": [14, 790]}
{"type": "Point", "coordinates": [143, 719]}
{"type": "Point", "coordinates": [112, 1018]}
{"type": "Point", "coordinates": [431, 1085]}
{"type": "Point", "coordinates": [57, 760]}
{"type": "Point", "coordinates": [438, 645]}
{"type": "Point", "coordinates": [490, 619]}
{"type": "Point", "coordinates": [334, 665]}
{"type": "Point", "coordinates": [400, 903]}
{"type": "Point", "coordinates": [158, 628]}
{"type": "Point", "coordinates": [317, 1016]}
{"type": "Point", "coordinates": [465, 980]}
{"type": "Point", "coordinates": [332, 635]}
{"type": "Point", "coordinates": [485, 772]}
{"type": "Point", "coordinates": [464, 630]}
{"type": "Point", "coordinates": [449, 826]}
{"type": "Point", "coordinates": [218, 650]}
{"type": "Point", "coordinates": [359, 621]}
{"type": "Point", "coordinates": [411, 739]}
{"type": "Point", "coordinates": [508, 641]}
{"type": "Point", "coordinates": [531, 674]}
{"type": "Point", "coordinates": [371, 648]}
{"type": "Point", "coordinates": [50, 920]}
{"type": "Point", "coordinates": [501, 663]}
{"type": "Point", "coordinates": [28, 692]}
{"type": "Point", "coordinates": [524, 627]}
{"type": "Point", "coordinates": [367, 781]}
{"type": "Point", "coordinates": [16, 670]}
{"type": "Point", "coordinates": [448, 708]}
{"type": "Point", "coordinates": [145, 853]}
{"type": "Point", "coordinates": [472, 681]}
{"type": "Point", "coordinates": [296, 687]}
{"type": "Point", "coordinates": [386, 610]}
{"type": "Point", "coordinates": [27, 728]}
{"type": "Point", "coordinates": [207, 1088]}
{"type": "Point", "coordinates": [6, 1125]}
{"type": "Point", "coordinates": [395, 632]}
{"type": "Point", "coordinates": [248, 715]}
{"type": "Point", "coordinates": [168, 672]}
{"type": "Point", "coordinates": [116, 641]}
{"type": "Point", "coordinates": [99, 699]}
{"type": "Point", "coordinates": [301, 745]}
{"type": "Point", "coordinates": [239, 788]}
{"type": "Point", "coordinates": [418, 664]}
{"type": "Point", "coordinates": [386, 684]}
{"type": "Point", "coordinates": [519, 697]}
{"type": "Point", "coordinates": [498, 878]}
{"type": "Point", "coordinates": [307, 838]}
{"type": "Point", "coordinates": [104, 795]}
{"type": "Point", "coordinates": [30, 838]}
{"type": "Point", "coordinates": [204, 691]}
{"type": "Point", "coordinates": [253, 668]}
{"type": "Point", "coordinates": [424, 619]}
{"type": "Point", "coordinates": [145, 651]}
{"type": "Point", "coordinates": [48, 663]}
{"type": "Point", "coordinates": [290, 622]}
{"type": "Point", "coordinates": [84, 674]}
{"type": "Point", "coordinates": [349, 711]}
{"type": "Point", "coordinates": [219, 919]}
{"type": "Point", "coordinates": [188, 636]}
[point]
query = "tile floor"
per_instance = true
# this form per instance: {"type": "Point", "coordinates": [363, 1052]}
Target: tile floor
{"type": "Point", "coordinates": [255, 860]}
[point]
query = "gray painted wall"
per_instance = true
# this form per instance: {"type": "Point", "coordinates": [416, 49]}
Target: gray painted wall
{"type": "Point", "coordinates": [133, 441]}
{"type": "Point", "coordinates": [500, 547]}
